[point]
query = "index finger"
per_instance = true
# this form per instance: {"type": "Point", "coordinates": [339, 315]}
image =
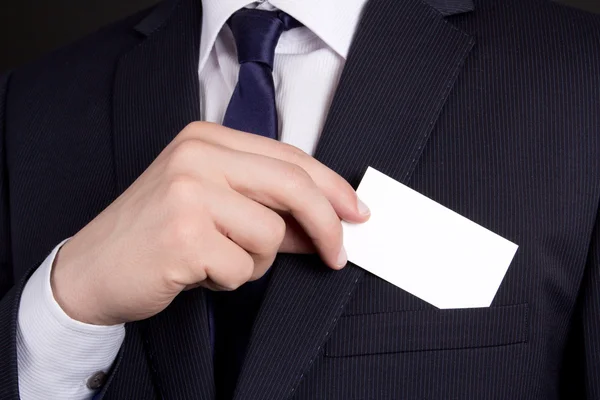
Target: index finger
{"type": "Point", "coordinates": [336, 189]}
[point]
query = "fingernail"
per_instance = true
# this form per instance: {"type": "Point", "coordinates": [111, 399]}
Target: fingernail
{"type": "Point", "coordinates": [342, 258]}
{"type": "Point", "coordinates": [362, 208]}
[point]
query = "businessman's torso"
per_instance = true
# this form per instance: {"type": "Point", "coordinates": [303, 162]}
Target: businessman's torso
{"type": "Point", "coordinates": [492, 113]}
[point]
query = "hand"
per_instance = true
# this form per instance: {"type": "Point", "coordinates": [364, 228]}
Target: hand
{"type": "Point", "coordinates": [212, 210]}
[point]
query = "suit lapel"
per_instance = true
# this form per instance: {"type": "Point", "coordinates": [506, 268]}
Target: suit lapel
{"type": "Point", "coordinates": [156, 95]}
{"type": "Point", "coordinates": [156, 91]}
{"type": "Point", "coordinates": [400, 70]}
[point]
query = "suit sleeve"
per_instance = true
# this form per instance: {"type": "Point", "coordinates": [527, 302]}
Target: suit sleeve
{"type": "Point", "coordinates": [9, 291]}
{"type": "Point", "coordinates": [36, 336]}
{"type": "Point", "coordinates": [590, 318]}
{"type": "Point", "coordinates": [580, 376]}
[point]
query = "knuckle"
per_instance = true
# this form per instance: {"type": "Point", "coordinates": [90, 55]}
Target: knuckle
{"type": "Point", "coordinates": [296, 178]}
{"type": "Point", "coordinates": [242, 273]}
{"type": "Point", "coordinates": [332, 230]}
{"type": "Point", "coordinates": [340, 187]}
{"type": "Point", "coordinates": [182, 189]}
{"type": "Point", "coordinates": [185, 152]}
{"type": "Point", "coordinates": [195, 126]}
{"type": "Point", "coordinates": [199, 130]}
{"type": "Point", "coordinates": [274, 232]}
{"type": "Point", "coordinates": [293, 153]}
{"type": "Point", "coordinates": [328, 233]}
{"type": "Point", "coordinates": [172, 277]}
{"type": "Point", "coordinates": [334, 226]}
{"type": "Point", "coordinates": [188, 132]}
{"type": "Point", "coordinates": [246, 269]}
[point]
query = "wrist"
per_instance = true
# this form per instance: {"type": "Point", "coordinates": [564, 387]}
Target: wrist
{"type": "Point", "coordinates": [70, 291]}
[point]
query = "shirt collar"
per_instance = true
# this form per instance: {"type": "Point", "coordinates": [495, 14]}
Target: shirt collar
{"type": "Point", "coordinates": [334, 21]}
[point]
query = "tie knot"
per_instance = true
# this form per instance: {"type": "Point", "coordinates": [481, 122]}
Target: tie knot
{"type": "Point", "coordinates": [257, 32]}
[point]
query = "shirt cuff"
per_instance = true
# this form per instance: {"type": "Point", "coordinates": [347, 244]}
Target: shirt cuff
{"type": "Point", "coordinates": [56, 354]}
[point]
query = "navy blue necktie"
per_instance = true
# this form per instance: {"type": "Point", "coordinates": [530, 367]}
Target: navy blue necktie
{"type": "Point", "coordinates": [252, 105]}
{"type": "Point", "coordinates": [251, 109]}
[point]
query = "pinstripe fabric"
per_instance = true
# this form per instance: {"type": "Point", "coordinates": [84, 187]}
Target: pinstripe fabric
{"type": "Point", "coordinates": [490, 110]}
{"type": "Point", "coordinates": [168, 64]}
{"type": "Point", "coordinates": [5, 272]}
{"type": "Point", "coordinates": [516, 138]}
{"type": "Point", "coordinates": [589, 321]}
{"type": "Point", "coordinates": [9, 303]}
{"type": "Point", "coordinates": [452, 7]}
{"type": "Point", "coordinates": [298, 292]}
{"type": "Point", "coordinates": [8, 313]}
{"type": "Point", "coordinates": [366, 334]}
{"type": "Point", "coordinates": [139, 381]}
{"type": "Point", "coordinates": [167, 61]}
{"type": "Point", "coordinates": [65, 78]}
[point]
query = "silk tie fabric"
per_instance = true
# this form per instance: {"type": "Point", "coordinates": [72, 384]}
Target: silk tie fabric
{"type": "Point", "coordinates": [251, 109]}
{"type": "Point", "coordinates": [252, 105]}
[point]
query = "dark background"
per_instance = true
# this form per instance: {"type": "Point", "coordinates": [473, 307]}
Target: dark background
{"type": "Point", "coordinates": [30, 28]}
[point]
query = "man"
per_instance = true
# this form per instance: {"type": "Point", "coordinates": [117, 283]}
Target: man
{"type": "Point", "coordinates": [146, 255]}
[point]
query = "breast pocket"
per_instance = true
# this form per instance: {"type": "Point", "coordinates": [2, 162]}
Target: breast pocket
{"type": "Point", "coordinates": [428, 329]}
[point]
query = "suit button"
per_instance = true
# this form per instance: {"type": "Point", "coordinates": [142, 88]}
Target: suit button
{"type": "Point", "coordinates": [96, 381]}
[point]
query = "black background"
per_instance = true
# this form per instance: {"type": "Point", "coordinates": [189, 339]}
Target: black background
{"type": "Point", "coordinates": [29, 28]}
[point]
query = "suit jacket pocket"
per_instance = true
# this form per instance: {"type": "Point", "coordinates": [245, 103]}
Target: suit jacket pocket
{"type": "Point", "coordinates": [428, 329]}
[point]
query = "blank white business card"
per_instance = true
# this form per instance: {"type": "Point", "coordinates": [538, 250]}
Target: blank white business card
{"type": "Point", "coordinates": [425, 248]}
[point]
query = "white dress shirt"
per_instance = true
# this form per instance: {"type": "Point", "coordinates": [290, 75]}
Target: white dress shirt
{"type": "Point", "coordinates": [56, 354]}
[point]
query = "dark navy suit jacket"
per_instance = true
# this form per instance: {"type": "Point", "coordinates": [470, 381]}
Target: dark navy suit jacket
{"type": "Point", "coordinates": [490, 108]}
